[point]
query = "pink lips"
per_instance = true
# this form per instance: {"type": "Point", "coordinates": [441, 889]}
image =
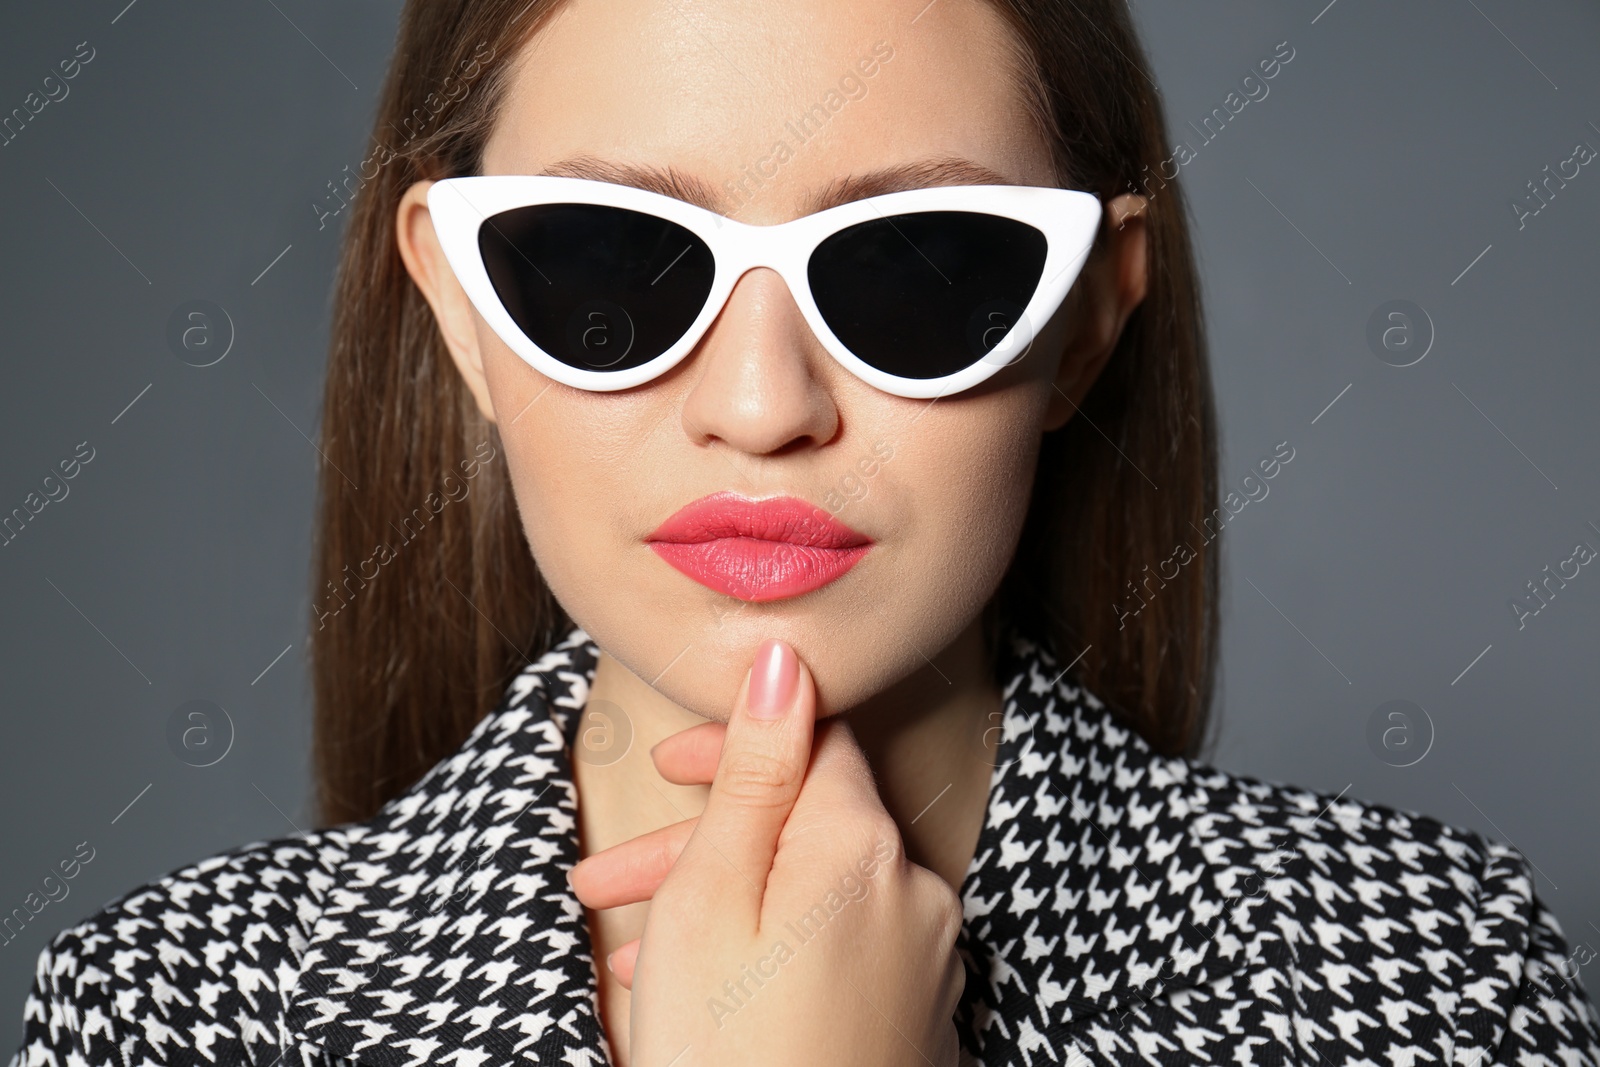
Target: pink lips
{"type": "Point", "coordinates": [758, 550]}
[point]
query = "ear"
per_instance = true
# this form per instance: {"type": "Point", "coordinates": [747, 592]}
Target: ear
{"type": "Point", "coordinates": [452, 309]}
{"type": "Point", "coordinates": [1112, 284]}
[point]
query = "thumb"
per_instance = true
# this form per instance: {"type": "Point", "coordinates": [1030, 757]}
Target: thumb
{"type": "Point", "coordinates": [763, 763]}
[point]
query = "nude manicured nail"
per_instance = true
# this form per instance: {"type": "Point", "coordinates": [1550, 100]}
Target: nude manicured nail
{"type": "Point", "coordinates": [773, 680]}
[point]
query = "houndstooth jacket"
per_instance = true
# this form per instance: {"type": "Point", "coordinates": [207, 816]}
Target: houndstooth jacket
{"type": "Point", "coordinates": [1121, 907]}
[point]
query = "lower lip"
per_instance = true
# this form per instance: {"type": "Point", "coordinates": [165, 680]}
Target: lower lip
{"type": "Point", "coordinates": [756, 570]}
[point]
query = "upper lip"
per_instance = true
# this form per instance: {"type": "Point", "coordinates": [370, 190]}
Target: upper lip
{"type": "Point", "coordinates": [776, 518]}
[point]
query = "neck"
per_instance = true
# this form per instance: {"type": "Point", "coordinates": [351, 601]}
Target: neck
{"type": "Point", "coordinates": [929, 739]}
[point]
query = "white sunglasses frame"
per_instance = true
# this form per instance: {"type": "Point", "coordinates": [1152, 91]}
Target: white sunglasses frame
{"type": "Point", "coordinates": [1068, 219]}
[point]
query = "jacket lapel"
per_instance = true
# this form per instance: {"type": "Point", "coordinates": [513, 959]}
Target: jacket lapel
{"type": "Point", "coordinates": [448, 934]}
{"type": "Point", "coordinates": [1098, 883]}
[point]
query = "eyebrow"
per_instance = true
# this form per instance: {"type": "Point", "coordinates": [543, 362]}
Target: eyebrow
{"type": "Point", "coordinates": [669, 181]}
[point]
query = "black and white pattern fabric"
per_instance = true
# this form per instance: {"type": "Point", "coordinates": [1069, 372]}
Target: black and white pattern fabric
{"type": "Point", "coordinates": [1121, 907]}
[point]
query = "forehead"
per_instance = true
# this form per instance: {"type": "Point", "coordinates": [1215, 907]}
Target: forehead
{"type": "Point", "coordinates": [766, 109]}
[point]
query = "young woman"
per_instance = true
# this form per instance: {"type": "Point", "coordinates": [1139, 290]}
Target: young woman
{"type": "Point", "coordinates": [746, 427]}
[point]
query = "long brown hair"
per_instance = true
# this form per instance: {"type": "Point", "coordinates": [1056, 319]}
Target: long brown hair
{"type": "Point", "coordinates": [426, 598]}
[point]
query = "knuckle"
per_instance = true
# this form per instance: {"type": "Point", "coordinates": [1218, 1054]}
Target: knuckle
{"type": "Point", "coordinates": [950, 919]}
{"type": "Point", "coordinates": [752, 776]}
{"type": "Point", "coordinates": [942, 905]}
{"type": "Point", "coordinates": [880, 833]}
{"type": "Point", "coordinates": [958, 979]}
{"type": "Point", "coordinates": [869, 841]}
{"type": "Point", "coordinates": [652, 857]}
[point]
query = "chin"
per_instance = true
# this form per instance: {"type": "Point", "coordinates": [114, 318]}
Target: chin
{"type": "Point", "coordinates": [697, 653]}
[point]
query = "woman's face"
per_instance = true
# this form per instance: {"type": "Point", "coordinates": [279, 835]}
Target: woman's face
{"type": "Point", "coordinates": [759, 409]}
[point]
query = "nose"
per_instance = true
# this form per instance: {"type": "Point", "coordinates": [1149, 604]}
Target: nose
{"type": "Point", "coordinates": [760, 389]}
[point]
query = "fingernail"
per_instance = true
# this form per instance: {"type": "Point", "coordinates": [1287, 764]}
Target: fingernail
{"type": "Point", "coordinates": [569, 877]}
{"type": "Point", "coordinates": [610, 968]}
{"type": "Point", "coordinates": [773, 680]}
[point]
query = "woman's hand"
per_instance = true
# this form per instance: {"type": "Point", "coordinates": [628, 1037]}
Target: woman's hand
{"type": "Point", "coordinates": [786, 925]}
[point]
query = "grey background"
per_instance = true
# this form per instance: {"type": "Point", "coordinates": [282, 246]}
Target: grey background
{"type": "Point", "coordinates": [187, 156]}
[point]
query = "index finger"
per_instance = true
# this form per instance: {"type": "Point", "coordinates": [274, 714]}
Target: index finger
{"type": "Point", "coordinates": [765, 752]}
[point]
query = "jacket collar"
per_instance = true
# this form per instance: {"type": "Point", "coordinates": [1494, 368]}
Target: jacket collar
{"type": "Point", "coordinates": [447, 933]}
{"type": "Point", "coordinates": [1105, 873]}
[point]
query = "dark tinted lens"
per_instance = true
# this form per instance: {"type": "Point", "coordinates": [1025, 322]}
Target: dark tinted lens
{"type": "Point", "coordinates": [599, 288]}
{"type": "Point", "coordinates": [926, 294]}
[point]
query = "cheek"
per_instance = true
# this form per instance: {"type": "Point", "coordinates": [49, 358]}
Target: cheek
{"type": "Point", "coordinates": [572, 456]}
{"type": "Point", "coordinates": [968, 476]}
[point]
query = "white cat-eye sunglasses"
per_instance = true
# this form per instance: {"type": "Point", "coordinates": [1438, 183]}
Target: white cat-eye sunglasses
{"type": "Point", "coordinates": [921, 293]}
